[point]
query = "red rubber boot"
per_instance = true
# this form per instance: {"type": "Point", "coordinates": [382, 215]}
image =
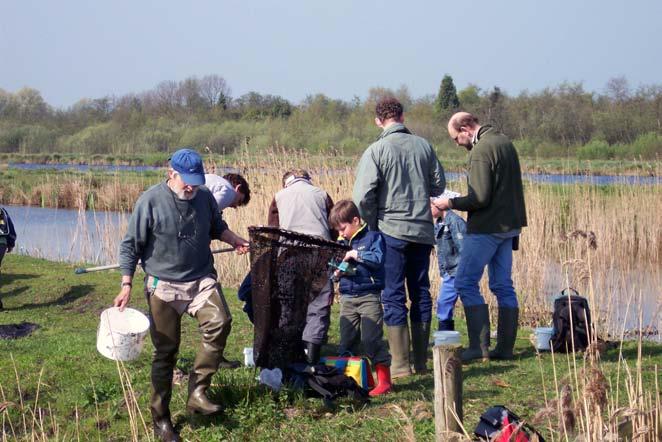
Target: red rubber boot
{"type": "Point", "coordinates": [383, 380]}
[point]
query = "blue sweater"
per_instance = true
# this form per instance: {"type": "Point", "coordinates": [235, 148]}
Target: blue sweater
{"type": "Point", "coordinates": [369, 276]}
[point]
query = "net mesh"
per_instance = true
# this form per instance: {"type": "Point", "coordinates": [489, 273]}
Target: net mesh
{"type": "Point", "coordinates": [288, 269]}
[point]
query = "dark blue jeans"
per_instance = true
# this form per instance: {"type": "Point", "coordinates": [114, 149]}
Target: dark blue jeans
{"type": "Point", "coordinates": [406, 263]}
{"type": "Point", "coordinates": [478, 251]}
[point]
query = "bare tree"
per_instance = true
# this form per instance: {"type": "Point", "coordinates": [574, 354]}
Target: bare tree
{"type": "Point", "coordinates": [215, 91]}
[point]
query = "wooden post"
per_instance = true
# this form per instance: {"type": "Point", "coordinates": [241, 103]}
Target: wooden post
{"type": "Point", "coordinates": [447, 390]}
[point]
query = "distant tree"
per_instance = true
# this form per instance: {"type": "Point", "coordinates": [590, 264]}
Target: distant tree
{"type": "Point", "coordinates": [496, 108]}
{"type": "Point", "coordinates": [447, 101]}
{"type": "Point", "coordinates": [190, 97]}
{"type": "Point", "coordinates": [255, 106]}
{"type": "Point", "coordinates": [618, 89]}
{"type": "Point", "coordinates": [469, 97]}
{"type": "Point", "coordinates": [5, 99]}
{"type": "Point", "coordinates": [215, 91]}
{"type": "Point", "coordinates": [28, 106]}
{"type": "Point", "coordinates": [166, 97]}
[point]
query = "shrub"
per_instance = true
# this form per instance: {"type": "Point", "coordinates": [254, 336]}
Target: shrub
{"type": "Point", "coordinates": [596, 150]}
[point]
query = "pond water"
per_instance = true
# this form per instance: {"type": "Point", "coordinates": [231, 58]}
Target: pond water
{"type": "Point", "coordinates": [67, 235]}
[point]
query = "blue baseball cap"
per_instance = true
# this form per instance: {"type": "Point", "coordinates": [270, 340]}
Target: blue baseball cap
{"type": "Point", "coordinates": [188, 163]}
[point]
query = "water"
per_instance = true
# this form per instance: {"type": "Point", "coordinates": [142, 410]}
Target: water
{"type": "Point", "coordinates": [599, 180]}
{"type": "Point", "coordinates": [83, 167]}
{"type": "Point", "coordinates": [67, 235]}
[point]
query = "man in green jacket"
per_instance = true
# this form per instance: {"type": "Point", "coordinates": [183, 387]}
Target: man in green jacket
{"type": "Point", "coordinates": [496, 215]}
{"type": "Point", "coordinates": [395, 179]}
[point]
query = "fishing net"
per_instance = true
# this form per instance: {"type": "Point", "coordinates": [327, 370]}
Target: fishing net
{"type": "Point", "coordinates": [288, 270]}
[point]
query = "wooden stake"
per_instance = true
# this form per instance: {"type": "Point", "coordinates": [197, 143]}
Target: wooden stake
{"type": "Point", "coordinates": [447, 390]}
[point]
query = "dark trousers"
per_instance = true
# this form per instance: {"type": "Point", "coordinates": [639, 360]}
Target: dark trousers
{"type": "Point", "coordinates": [406, 263]}
{"type": "Point", "coordinates": [318, 316]}
{"type": "Point", "coordinates": [3, 249]}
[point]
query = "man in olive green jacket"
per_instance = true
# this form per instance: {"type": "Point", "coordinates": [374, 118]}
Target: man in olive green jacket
{"type": "Point", "coordinates": [395, 179]}
{"type": "Point", "coordinates": [496, 215]}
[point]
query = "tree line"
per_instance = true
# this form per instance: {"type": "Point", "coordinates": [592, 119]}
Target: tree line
{"type": "Point", "coordinates": [561, 121]}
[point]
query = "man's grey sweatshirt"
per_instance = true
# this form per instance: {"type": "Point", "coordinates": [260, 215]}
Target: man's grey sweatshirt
{"type": "Point", "coordinates": [171, 236]}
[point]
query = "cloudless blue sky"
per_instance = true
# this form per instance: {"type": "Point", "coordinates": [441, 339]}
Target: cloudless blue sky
{"type": "Point", "coordinates": [71, 49]}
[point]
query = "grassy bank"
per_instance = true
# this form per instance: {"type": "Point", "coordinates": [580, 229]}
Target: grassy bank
{"type": "Point", "coordinates": [55, 386]}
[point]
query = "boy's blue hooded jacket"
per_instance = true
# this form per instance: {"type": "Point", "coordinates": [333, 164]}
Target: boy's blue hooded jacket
{"type": "Point", "coordinates": [369, 276]}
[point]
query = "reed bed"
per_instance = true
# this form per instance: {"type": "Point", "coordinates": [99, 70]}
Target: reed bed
{"type": "Point", "coordinates": [605, 241]}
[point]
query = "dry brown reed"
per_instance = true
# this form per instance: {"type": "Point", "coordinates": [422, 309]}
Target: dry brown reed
{"type": "Point", "coordinates": [604, 241]}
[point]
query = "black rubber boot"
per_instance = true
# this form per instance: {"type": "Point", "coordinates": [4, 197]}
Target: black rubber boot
{"type": "Point", "coordinates": [478, 328]}
{"type": "Point", "coordinates": [165, 332]}
{"type": "Point", "coordinates": [506, 333]}
{"type": "Point", "coordinates": [420, 336]}
{"type": "Point", "coordinates": [446, 325]}
{"type": "Point", "coordinates": [215, 323]}
{"type": "Point", "coordinates": [164, 430]}
{"type": "Point", "coordinates": [312, 353]}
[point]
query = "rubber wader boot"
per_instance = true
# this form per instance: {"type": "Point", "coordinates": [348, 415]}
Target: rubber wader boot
{"type": "Point", "coordinates": [420, 336]}
{"type": "Point", "coordinates": [398, 343]}
{"type": "Point", "coordinates": [165, 332]}
{"type": "Point", "coordinates": [383, 380]}
{"type": "Point", "coordinates": [446, 325]}
{"type": "Point", "coordinates": [478, 328]}
{"type": "Point", "coordinates": [215, 322]}
{"type": "Point", "coordinates": [506, 333]}
{"type": "Point", "coordinates": [312, 353]}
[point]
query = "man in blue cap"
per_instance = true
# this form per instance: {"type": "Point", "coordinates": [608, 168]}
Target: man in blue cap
{"type": "Point", "coordinates": [169, 232]}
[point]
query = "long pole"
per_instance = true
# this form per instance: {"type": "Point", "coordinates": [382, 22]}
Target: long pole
{"type": "Point", "coordinates": [81, 270]}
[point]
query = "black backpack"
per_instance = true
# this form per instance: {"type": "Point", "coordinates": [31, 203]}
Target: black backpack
{"type": "Point", "coordinates": [493, 420]}
{"type": "Point", "coordinates": [572, 323]}
{"type": "Point", "coordinates": [4, 223]}
{"type": "Point", "coordinates": [327, 382]}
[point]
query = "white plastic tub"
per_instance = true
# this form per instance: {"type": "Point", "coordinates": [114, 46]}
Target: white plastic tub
{"type": "Point", "coordinates": [543, 336]}
{"type": "Point", "coordinates": [446, 337]}
{"type": "Point", "coordinates": [248, 357]}
{"type": "Point", "coordinates": [121, 335]}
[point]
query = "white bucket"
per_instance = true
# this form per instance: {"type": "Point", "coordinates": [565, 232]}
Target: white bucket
{"type": "Point", "coordinates": [248, 357]}
{"type": "Point", "coordinates": [121, 335]}
{"type": "Point", "coordinates": [446, 337]}
{"type": "Point", "coordinates": [543, 336]}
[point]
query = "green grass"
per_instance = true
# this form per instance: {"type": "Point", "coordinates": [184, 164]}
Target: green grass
{"type": "Point", "coordinates": [60, 371]}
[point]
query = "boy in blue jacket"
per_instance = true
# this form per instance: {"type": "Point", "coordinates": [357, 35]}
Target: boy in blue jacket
{"type": "Point", "coordinates": [449, 231]}
{"type": "Point", "coordinates": [361, 313]}
{"type": "Point", "coordinates": [7, 237]}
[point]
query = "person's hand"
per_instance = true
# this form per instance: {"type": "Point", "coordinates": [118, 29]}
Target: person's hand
{"type": "Point", "coordinates": [122, 299]}
{"type": "Point", "coordinates": [241, 246]}
{"type": "Point", "coordinates": [442, 203]}
{"type": "Point", "coordinates": [352, 254]}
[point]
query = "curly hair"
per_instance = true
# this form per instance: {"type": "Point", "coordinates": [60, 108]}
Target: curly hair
{"type": "Point", "coordinates": [237, 180]}
{"type": "Point", "coordinates": [387, 108]}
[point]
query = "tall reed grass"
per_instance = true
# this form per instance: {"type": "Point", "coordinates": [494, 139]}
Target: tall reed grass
{"type": "Point", "coordinates": [605, 241]}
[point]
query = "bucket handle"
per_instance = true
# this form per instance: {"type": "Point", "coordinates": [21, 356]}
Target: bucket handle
{"type": "Point", "coordinates": [569, 288]}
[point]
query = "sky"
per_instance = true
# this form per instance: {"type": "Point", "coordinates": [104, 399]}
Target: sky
{"type": "Point", "coordinates": [74, 49]}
